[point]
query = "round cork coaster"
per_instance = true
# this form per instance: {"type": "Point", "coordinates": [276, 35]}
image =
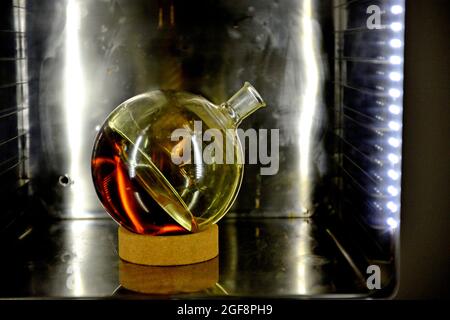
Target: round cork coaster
{"type": "Point", "coordinates": [169, 250]}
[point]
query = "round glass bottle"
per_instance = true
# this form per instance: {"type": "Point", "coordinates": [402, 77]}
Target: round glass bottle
{"type": "Point", "coordinates": [167, 162]}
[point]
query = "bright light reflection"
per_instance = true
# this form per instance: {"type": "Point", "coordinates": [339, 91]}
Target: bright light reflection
{"type": "Point", "coordinates": [394, 175]}
{"type": "Point", "coordinates": [395, 60]}
{"type": "Point", "coordinates": [392, 223]}
{"type": "Point", "coordinates": [393, 125]}
{"type": "Point", "coordinates": [74, 99]}
{"type": "Point", "coordinates": [393, 191]}
{"type": "Point", "coordinates": [394, 159]}
{"type": "Point", "coordinates": [395, 76]}
{"type": "Point", "coordinates": [309, 103]}
{"type": "Point", "coordinates": [395, 109]}
{"type": "Point", "coordinates": [397, 9]}
{"type": "Point", "coordinates": [78, 249]}
{"type": "Point", "coordinates": [395, 43]}
{"type": "Point", "coordinates": [303, 251]}
{"type": "Point", "coordinates": [392, 206]}
{"type": "Point", "coordinates": [396, 26]}
{"type": "Point", "coordinates": [395, 93]}
{"type": "Point", "coordinates": [394, 142]}
{"type": "Point", "coordinates": [134, 152]}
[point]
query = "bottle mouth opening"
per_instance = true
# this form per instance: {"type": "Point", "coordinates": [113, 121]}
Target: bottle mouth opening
{"type": "Point", "coordinates": [255, 94]}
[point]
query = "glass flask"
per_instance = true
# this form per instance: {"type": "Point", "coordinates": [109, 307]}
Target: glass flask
{"type": "Point", "coordinates": [167, 162]}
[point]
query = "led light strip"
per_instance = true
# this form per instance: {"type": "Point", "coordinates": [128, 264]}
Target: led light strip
{"type": "Point", "coordinates": [395, 112]}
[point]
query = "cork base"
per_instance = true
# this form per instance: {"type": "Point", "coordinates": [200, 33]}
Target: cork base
{"type": "Point", "coordinates": [169, 250]}
{"type": "Point", "coordinates": [169, 280]}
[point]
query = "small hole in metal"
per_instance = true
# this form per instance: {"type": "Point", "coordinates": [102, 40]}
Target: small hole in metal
{"type": "Point", "coordinates": [65, 180]}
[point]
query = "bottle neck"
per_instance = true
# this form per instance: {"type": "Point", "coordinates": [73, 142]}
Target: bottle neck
{"type": "Point", "coordinates": [243, 103]}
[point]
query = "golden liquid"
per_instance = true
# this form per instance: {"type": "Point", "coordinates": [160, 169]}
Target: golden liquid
{"type": "Point", "coordinates": [137, 181]}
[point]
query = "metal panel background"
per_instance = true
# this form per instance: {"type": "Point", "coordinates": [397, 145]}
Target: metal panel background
{"type": "Point", "coordinates": [14, 129]}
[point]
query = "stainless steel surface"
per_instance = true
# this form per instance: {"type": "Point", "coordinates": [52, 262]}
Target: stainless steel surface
{"type": "Point", "coordinates": [14, 108]}
{"type": "Point", "coordinates": [14, 111]}
{"type": "Point", "coordinates": [286, 257]}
